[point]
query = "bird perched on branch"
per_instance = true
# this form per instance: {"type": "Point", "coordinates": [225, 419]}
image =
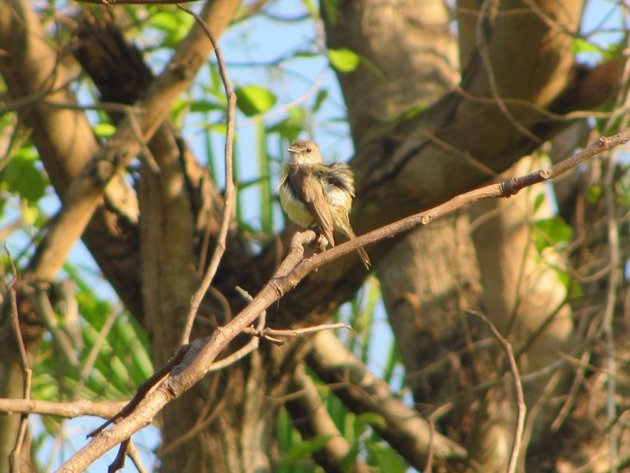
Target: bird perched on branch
{"type": "Point", "coordinates": [312, 192]}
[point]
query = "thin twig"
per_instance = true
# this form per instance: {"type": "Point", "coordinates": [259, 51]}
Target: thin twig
{"type": "Point", "coordinates": [15, 460]}
{"type": "Point", "coordinates": [241, 353]}
{"type": "Point", "coordinates": [428, 467]}
{"type": "Point", "coordinates": [518, 388]}
{"type": "Point", "coordinates": [230, 189]}
{"type": "Point", "coordinates": [270, 333]}
{"type": "Point", "coordinates": [119, 461]}
{"type": "Point", "coordinates": [132, 452]}
{"type": "Point", "coordinates": [614, 279]}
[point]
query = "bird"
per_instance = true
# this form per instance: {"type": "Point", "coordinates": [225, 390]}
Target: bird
{"type": "Point", "coordinates": [312, 192]}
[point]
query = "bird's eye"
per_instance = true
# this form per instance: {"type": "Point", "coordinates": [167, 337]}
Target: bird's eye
{"type": "Point", "coordinates": [308, 150]}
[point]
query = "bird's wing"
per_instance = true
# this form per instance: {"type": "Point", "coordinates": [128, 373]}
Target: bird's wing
{"type": "Point", "coordinates": [284, 173]}
{"type": "Point", "coordinates": [341, 176]}
{"type": "Point", "coordinates": [315, 199]}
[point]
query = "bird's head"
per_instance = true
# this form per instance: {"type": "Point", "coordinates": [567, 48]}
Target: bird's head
{"type": "Point", "coordinates": [305, 153]}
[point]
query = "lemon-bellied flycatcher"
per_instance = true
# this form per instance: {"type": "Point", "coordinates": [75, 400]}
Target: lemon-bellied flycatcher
{"type": "Point", "coordinates": [313, 192]}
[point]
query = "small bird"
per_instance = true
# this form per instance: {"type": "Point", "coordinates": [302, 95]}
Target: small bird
{"type": "Point", "coordinates": [312, 192]}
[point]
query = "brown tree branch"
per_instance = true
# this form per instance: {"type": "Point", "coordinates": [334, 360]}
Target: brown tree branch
{"type": "Point", "coordinates": [272, 334]}
{"type": "Point", "coordinates": [195, 364]}
{"type": "Point", "coordinates": [362, 392]}
{"type": "Point", "coordinates": [70, 410]}
{"type": "Point", "coordinates": [291, 271]}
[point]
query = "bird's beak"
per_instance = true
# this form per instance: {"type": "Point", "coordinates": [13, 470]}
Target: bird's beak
{"type": "Point", "coordinates": [292, 150]}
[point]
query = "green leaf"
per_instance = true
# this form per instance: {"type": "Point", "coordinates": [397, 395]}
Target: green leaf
{"type": "Point", "coordinates": [304, 54]}
{"type": "Point", "coordinates": [292, 126]}
{"type": "Point", "coordinates": [179, 109]}
{"type": "Point", "coordinates": [580, 45]}
{"type": "Point", "coordinates": [408, 114]}
{"type": "Point", "coordinates": [306, 447]}
{"type": "Point", "coordinates": [21, 176]}
{"type": "Point", "coordinates": [253, 99]}
{"type": "Point", "coordinates": [310, 7]}
{"type": "Point", "coordinates": [348, 462]}
{"type": "Point", "coordinates": [175, 24]}
{"type": "Point", "coordinates": [551, 232]}
{"type": "Point", "coordinates": [104, 130]}
{"type": "Point", "coordinates": [164, 21]}
{"type": "Point", "coordinates": [29, 214]}
{"type": "Point", "coordinates": [205, 106]}
{"type": "Point", "coordinates": [331, 10]}
{"type": "Point", "coordinates": [344, 60]}
{"type": "Point", "coordinates": [538, 200]}
{"type": "Point", "coordinates": [362, 421]}
{"type": "Point", "coordinates": [322, 95]}
{"type": "Point", "coordinates": [385, 458]}
{"type": "Point", "coordinates": [594, 193]}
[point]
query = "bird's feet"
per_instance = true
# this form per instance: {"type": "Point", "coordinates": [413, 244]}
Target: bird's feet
{"type": "Point", "coordinates": [320, 243]}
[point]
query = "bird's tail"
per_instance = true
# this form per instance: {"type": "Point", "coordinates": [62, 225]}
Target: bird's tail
{"type": "Point", "coordinates": [347, 229]}
{"type": "Point", "coordinates": [365, 258]}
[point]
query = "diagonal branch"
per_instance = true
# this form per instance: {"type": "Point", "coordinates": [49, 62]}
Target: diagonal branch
{"type": "Point", "coordinates": [403, 428]}
{"type": "Point", "coordinates": [502, 189]}
{"type": "Point", "coordinates": [201, 353]}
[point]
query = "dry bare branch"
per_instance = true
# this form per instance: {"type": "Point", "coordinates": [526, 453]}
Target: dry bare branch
{"type": "Point", "coordinates": [69, 410]}
{"type": "Point", "coordinates": [230, 189]}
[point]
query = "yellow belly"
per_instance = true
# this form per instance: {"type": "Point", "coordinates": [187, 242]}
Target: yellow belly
{"type": "Point", "coordinates": [296, 210]}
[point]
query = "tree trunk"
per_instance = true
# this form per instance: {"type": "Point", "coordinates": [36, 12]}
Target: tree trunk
{"type": "Point", "coordinates": [430, 277]}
